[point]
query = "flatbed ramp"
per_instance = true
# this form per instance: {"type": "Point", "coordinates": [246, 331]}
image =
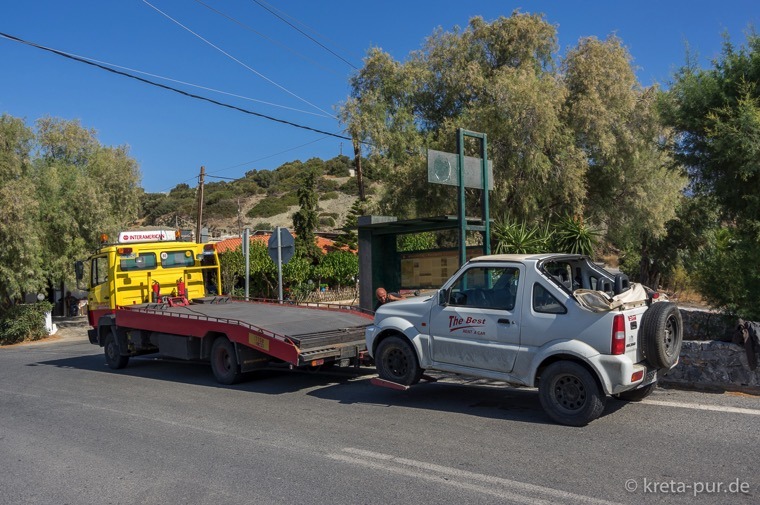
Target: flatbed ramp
{"type": "Point", "coordinates": [296, 334]}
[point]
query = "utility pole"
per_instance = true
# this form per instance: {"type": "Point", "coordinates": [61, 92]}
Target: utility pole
{"type": "Point", "coordinates": [358, 166]}
{"type": "Point", "coordinates": [240, 224]}
{"type": "Point", "coordinates": [200, 205]}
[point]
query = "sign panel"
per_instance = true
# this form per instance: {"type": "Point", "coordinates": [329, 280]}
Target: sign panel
{"type": "Point", "coordinates": [127, 237]}
{"type": "Point", "coordinates": [287, 244]}
{"type": "Point", "coordinates": [442, 169]}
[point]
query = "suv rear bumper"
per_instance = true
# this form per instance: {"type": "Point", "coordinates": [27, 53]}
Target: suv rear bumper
{"type": "Point", "coordinates": [617, 372]}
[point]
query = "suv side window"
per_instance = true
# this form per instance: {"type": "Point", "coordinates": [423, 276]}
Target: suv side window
{"type": "Point", "coordinates": [486, 288]}
{"type": "Point", "coordinates": [544, 302]}
{"type": "Point", "coordinates": [99, 272]}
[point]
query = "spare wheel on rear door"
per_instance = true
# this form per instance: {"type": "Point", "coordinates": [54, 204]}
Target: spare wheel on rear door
{"type": "Point", "coordinates": [661, 334]}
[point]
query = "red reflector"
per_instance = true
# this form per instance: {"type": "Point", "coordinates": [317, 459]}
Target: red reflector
{"type": "Point", "coordinates": [636, 376]}
{"type": "Point", "coordinates": [655, 296]}
{"type": "Point", "coordinates": [618, 335]}
{"type": "Point", "coordinates": [209, 247]}
{"type": "Point", "coordinates": [124, 250]}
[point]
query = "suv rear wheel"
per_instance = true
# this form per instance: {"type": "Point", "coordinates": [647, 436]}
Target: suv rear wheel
{"type": "Point", "coordinates": [569, 394]}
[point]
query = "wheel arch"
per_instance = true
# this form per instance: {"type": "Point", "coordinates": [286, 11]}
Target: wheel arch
{"type": "Point", "coordinates": [573, 358]}
{"type": "Point", "coordinates": [208, 342]}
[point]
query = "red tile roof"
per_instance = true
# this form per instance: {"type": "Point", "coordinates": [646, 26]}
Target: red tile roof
{"type": "Point", "coordinates": [233, 243]}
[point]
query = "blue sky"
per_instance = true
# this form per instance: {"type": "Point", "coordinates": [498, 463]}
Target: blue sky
{"type": "Point", "coordinates": [267, 60]}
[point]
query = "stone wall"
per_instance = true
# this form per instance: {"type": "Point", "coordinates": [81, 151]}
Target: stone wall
{"type": "Point", "coordinates": [712, 364]}
{"type": "Point", "coordinates": [707, 325]}
{"type": "Point", "coordinates": [708, 358]}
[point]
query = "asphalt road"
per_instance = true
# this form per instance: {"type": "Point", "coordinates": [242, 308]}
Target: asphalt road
{"type": "Point", "coordinates": [72, 431]}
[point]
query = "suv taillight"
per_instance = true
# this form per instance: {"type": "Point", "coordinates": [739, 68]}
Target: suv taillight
{"type": "Point", "coordinates": [618, 335]}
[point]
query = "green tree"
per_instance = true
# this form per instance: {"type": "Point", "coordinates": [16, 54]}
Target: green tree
{"type": "Point", "coordinates": [632, 186]}
{"type": "Point", "coordinates": [232, 265]}
{"type": "Point", "coordinates": [494, 77]}
{"type": "Point", "coordinates": [338, 268]}
{"type": "Point", "coordinates": [349, 236]}
{"type": "Point", "coordinates": [20, 254]}
{"type": "Point", "coordinates": [716, 115]}
{"type": "Point", "coordinates": [306, 220]}
{"type": "Point", "coordinates": [84, 190]}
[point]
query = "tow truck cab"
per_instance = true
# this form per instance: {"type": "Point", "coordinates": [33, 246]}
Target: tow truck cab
{"type": "Point", "coordinates": [149, 266]}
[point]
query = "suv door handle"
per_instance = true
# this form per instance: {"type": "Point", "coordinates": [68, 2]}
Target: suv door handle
{"type": "Point", "coordinates": [504, 321]}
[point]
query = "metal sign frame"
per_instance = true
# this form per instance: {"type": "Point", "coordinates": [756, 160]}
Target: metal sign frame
{"type": "Point", "coordinates": [486, 218]}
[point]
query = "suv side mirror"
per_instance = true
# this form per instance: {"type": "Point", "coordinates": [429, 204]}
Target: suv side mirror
{"type": "Point", "coordinates": [443, 297]}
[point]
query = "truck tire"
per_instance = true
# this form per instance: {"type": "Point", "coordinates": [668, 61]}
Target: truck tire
{"type": "Point", "coordinates": [396, 361]}
{"type": "Point", "coordinates": [636, 395]}
{"type": "Point", "coordinates": [224, 362]}
{"type": "Point", "coordinates": [569, 394]}
{"type": "Point", "coordinates": [111, 349]}
{"type": "Point", "coordinates": [661, 334]}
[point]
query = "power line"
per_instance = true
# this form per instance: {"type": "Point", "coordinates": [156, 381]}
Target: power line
{"type": "Point", "coordinates": [266, 37]}
{"type": "Point", "coordinates": [228, 55]}
{"type": "Point", "coordinates": [199, 86]}
{"type": "Point", "coordinates": [266, 6]}
{"type": "Point", "coordinates": [170, 88]}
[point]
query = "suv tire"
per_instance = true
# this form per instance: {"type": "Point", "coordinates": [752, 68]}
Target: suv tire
{"type": "Point", "coordinates": [396, 361]}
{"type": "Point", "coordinates": [569, 394]}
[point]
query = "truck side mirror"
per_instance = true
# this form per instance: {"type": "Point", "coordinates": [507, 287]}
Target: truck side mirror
{"type": "Point", "coordinates": [79, 270]}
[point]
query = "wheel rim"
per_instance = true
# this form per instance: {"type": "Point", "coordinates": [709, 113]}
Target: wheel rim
{"type": "Point", "coordinates": [569, 393]}
{"type": "Point", "coordinates": [111, 351]}
{"type": "Point", "coordinates": [223, 361]}
{"type": "Point", "coordinates": [669, 339]}
{"type": "Point", "coordinates": [396, 362]}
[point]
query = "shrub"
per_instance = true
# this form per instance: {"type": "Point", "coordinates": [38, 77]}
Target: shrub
{"type": "Point", "coordinates": [24, 322]}
{"type": "Point", "coordinates": [331, 195]}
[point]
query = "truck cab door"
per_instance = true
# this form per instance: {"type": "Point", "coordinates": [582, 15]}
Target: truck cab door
{"type": "Point", "coordinates": [476, 323]}
{"type": "Point", "coordinates": [100, 297]}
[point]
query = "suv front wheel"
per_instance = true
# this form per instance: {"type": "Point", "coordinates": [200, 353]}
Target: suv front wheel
{"type": "Point", "coordinates": [569, 394]}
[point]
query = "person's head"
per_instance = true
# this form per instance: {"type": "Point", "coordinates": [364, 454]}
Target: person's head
{"type": "Point", "coordinates": [68, 293]}
{"type": "Point", "coordinates": [381, 294]}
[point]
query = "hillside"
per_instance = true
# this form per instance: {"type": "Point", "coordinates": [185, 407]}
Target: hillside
{"type": "Point", "coordinates": [262, 199]}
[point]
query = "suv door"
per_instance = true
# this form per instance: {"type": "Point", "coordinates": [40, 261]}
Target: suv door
{"type": "Point", "coordinates": [477, 323]}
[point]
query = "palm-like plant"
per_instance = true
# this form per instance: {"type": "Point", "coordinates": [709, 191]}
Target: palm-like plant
{"type": "Point", "coordinates": [572, 235]}
{"type": "Point", "coordinates": [512, 237]}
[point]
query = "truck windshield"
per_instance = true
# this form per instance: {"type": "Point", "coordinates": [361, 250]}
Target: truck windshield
{"type": "Point", "coordinates": [174, 259]}
{"type": "Point", "coordinates": [143, 261]}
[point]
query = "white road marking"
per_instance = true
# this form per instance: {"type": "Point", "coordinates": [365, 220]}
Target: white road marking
{"type": "Point", "coordinates": [699, 406]}
{"type": "Point", "coordinates": [515, 491]}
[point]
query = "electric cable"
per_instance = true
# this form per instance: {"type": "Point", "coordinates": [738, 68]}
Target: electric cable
{"type": "Point", "coordinates": [266, 6]}
{"type": "Point", "coordinates": [270, 39]}
{"type": "Point", "coordinates": [228, 55]}
{"type": "Point", "coordinates": [170, 88]}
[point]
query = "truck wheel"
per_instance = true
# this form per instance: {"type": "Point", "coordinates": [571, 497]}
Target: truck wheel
{"type": "Point", "coordinates": [636, 395]}
{"type": "Point", "coordinates": [396, 361]}
{"type": "Point", "coordinates": [569, 394]}
{"type": "Point", "coordinates": [114, 359]}
{"type": "Point", "coordinates": [224, 362]}
{"type": "Point", "coordinates": [661, 334]}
